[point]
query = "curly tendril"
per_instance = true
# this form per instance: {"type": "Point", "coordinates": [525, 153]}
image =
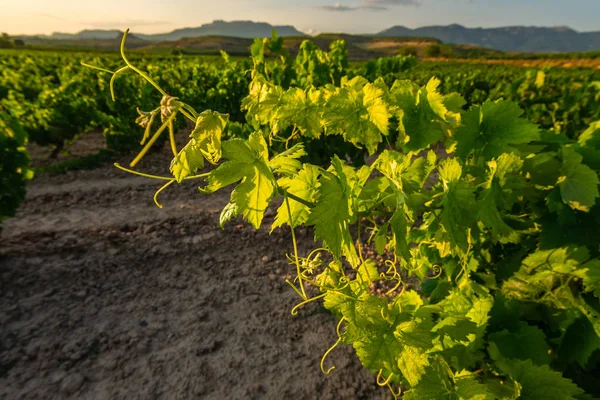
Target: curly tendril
{"type": "Point", "coordinates": [336, 344]}
{"type": "Point", "coordinates": [386, 381]}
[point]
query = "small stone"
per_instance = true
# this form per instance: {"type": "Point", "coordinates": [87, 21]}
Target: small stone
{"type": "Point", "coordinates": [266, 259]}
{"type": "Point", "coordinates": [57, 376]}
{"type": "Point", "coordinates": [72, 383]}
{"type": "Point", "coordinates": [149, 229]}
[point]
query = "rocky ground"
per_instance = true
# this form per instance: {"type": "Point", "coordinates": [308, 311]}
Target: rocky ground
{"type": "Point", "coordinates": [105, 296]}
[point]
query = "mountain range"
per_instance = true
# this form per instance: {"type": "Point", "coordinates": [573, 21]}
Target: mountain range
{"type": "Point", "coordinates": [240, 29]}
{"type": "Point", "coordinates": [522, 39]}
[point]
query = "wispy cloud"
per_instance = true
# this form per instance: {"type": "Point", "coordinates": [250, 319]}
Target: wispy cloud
{"type": "Point", "coordinates": [384, 3]}
{"type": "Point", "coordinates": [339, 7]}
{"type": "Point", "coordinates": [118, 24]}
{"type": "Point", "coordinates": [373, 5]}
{"type": "Point", "coordinates": [129, 23]}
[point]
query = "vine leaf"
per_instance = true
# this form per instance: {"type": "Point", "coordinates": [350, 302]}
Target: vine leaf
{"type": "Point", "coordinates": [302, 109]}
{"type": "Point", "coordinates": [205, 143]}
{"type": "Point", "coordinates": [527, 342]}
{"type": "Point", "coordinates": [492, 129]}
{"type": "Point", "coordinates": [357, 111]}
{"type": "Point", "coordinates": [539, 382]}
{"type": "Point", "coordinates": [334, 212]}
{"type": "Point", "coordinates": [287, 162]}
{"type": "Point", "coordinates": [248, 163]}
{"type": "Point", "coordinates": [188, 161]}
{"type": "Point", "coordinates": [422, 113]}
{"type": "Point", "coordinates": [304, 185]}
{"type": "Point", "coordinates": [579, 342]}
{"type": "Point", "coordinates": [578, 183]}
{"type": "Point", "coordinates": [468, 387]}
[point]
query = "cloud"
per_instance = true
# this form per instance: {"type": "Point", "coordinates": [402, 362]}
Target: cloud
{"type": "Point", "coordinates": [339, 7]}
{"type": "Point", "coordinates": [384, 3]}
{"type": "Point", "coordinates": [373, 5]}
{"type": "Point", "coordinates": [130, 23]}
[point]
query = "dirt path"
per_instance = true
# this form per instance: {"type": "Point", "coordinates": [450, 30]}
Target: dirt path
{"type": "Point", "coordinates": [104, 296]}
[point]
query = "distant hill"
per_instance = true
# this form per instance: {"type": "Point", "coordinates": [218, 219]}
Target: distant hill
{"type": "Point", "coordinates": [525, 39]}
{"type": "Point", "coordinates": [87, 34]}
{"type": "Point", "coordinates": [241, 29]}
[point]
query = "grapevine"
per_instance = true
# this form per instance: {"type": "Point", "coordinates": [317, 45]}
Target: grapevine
{"type": "Point", "coordinates": [485, 228]}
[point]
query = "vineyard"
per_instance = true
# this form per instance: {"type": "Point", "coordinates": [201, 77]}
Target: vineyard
{"type": "Point", "coordinates": [298, 226]}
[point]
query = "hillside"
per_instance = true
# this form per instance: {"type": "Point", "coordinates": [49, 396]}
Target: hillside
{"type": "Point", "coordinates": [238, 29]}
{"type": "Point", "coordinates": [524, 39]}
{"type": "Point", "coordinates": [360, 48]}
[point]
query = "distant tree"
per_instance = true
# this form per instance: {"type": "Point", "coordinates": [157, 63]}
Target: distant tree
{"type": "Point", "coordinates": [19, 42]}
{"type": "Point", "coordinates": [408, 51]}
{"type": "Point", "coordinates": [433, 50]}
{"type": "Point", "coordinates": [6, 42]}
{"type": "Point", "coordinates": [446, 51]}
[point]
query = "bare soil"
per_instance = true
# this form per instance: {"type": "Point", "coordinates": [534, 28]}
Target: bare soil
{"type": "Point", "coordinates": [558, 63]}
{"type": "Point", "coordinates": [105, 296]}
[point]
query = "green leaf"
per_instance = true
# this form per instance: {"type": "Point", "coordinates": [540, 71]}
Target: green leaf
{"type": "Point", "coordinates": [578, 183]}
{"type": "Point", "coordinates": [456, 328]}
{"type": "Point", "coordinates": [422, 114]}
{"type": "Point", "coordinates": [205, 143]}
{"type": "Point", "coordinates": [527, 342]}
{"type": "Point", "coordinates": [357, 111]}
{"type": "Point", "coordinates": [492, 129]}
{"type": "Point", "coordinates": [493, 199]}
{"type": "Point", "coordinates": [434, 385]}
{"type": "Point", "coordinates": [457, 216]}
{"type": "Point", "coordinates": [579, 342]}
{"type": "Point", "coordinates": [287, 162]}
{"type": "Point", "coordinates": [400, 230]}
{"type": "Point", "coordinates": [588, 145]}
{"type": "Point", "coordinates": [333, 211]}
{"type": "Point", "coordinates": [539, 382]}
{"type": "Point", "coordinates": [229, 212]}
{"type": "Point", "coordinates": [468, 387]}
{"type": "Point", "coordinates": [263, 101]}
{"type": "Point", "coordinates": [543, 168]}
{"type": "Point", "coordinates": [188, 161]}
{"type": "Point", "coordinates": [207, 134]}
{"type": "Point", "coordinates": [248, 162]}
{"type": "Point", "coordinates": [304, 185]}
{"type": "Point", "coordinates": [302, 109]}
{"type": "Point", "coordinates": [367, 272]}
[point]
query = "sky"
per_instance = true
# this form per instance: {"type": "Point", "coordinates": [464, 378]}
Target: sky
{"type": "Point", "coordinates": [309, 16]}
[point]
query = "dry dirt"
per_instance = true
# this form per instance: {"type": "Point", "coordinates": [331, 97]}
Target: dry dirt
{"type": "Point", "coordinates": [557, 63]}
{"type": "Point", "coordinates": [105, 296]}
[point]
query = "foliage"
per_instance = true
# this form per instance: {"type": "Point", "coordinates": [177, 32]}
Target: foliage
{"type": "Point", "coordinates": [564, 100]}
{"type": "Point", "coordinates": [14, 164]}
{"type": "Point", "coordinates": [486, 228]}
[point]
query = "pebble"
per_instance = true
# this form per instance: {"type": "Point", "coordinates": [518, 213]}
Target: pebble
{"type": "Point", "coordinates": [72, 383]}
{"type": "Point", "coordinates": [57, 376]}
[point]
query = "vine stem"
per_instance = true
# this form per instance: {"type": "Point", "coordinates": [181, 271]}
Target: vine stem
{"type": "Point", "coordinates": [145, 75]}
{"type": "Point", "coordinates": [162, 178]}
{"type": "Point", "coordinates": [140, 72]}
{"type": "Point", "coordinates": [289, 210]}
{"type": "Point", "coordinates": [300, 200]}
{"type": "Point", "coordinates": [152, 140]}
